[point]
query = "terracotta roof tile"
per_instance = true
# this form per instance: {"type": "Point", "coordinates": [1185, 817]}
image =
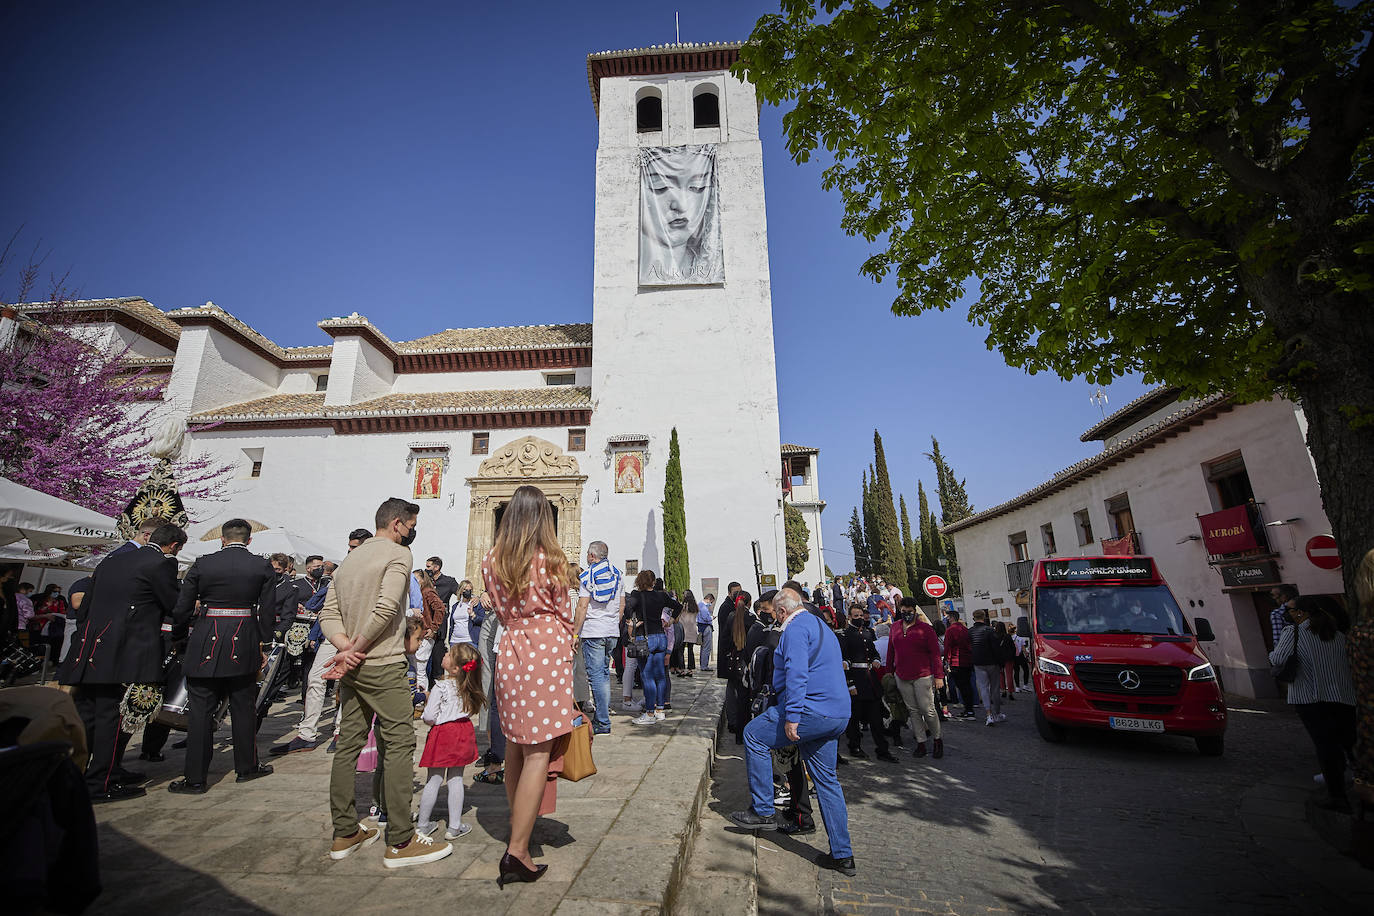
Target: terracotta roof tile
{"type": "Point", "coordinates": [405, 404]}
{"type": "Point", "coordinates": [285, 354]}
{"type": "Point", "coordinates": [1089, 466]}
{"type": "Point", "coordinates": [790, 449]}
{"type": "Point", "coordinates": [524, 337]}
{"type": "Point", "coordinates": [135, 306]}
{"type": "Point", "coordinates": [1122, 417]}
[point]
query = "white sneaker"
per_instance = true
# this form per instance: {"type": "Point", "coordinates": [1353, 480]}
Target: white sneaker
{"type": "Point", "coordinates": [1000, 717]}
{"type": "Point", "coordinates": [660, 716]}
{"type": "Point", "coordinates": [457, 833]}
{"type": "Point", "coordinates": [989, 721]}
{"type": "Point", "coordinates": [418, 851]}
{"type": "Point", "coordinates": [425, 829]}
{"type": "Point", "coordinates": [645, 719]}
{"type": "Point", "coordinates": [628, 705]}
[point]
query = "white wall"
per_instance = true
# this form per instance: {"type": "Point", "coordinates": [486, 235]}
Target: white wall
{"type": "Point", "coordinates": [727, 422]}
{"type": "Point", "coordinates": [1168, 489]}
{"type": "Point", "coordinates": [212, 370]}
{"type": "Point", "coordinates": [482, 381]}
{"type": "Point", "coordinates": [358, 371]}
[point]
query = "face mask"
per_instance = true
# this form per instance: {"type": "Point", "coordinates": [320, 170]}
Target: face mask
{"type": "Point", "coordinates": [408, 539]}
{"type": "Point", "coordinates": [909, 617]}
{"type": "Point", "coordinates": [315, 573]}
{"type": "Point", "coordinates": [467, 593]}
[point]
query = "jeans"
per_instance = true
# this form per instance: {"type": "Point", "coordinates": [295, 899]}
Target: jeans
{"type": "Point", "coordinates": [818, 747]}
{"type": "Point", "coordinates": [988, 686]}
{"type": "Point", "coordinates": [596, 656]}
{"type": "Point", "coordinates": [704, 640]}
{"type": "Point", "coordinates": [655, 676]}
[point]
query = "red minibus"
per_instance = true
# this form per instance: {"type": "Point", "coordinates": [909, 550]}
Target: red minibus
{"type": "Point", "coordinates": [1113, 650]}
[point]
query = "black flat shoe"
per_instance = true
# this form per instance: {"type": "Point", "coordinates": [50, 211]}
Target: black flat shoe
{"type": "Point", "coordinates": [513, 871]}
{"type": "Point", "coordinates": [793, 828]}
{"type": "Point", "coordinates": [754, 821]}
{"type": "Point", "coordinates": [117, 792]}
{"type": "Point", "coordinates": [844, 866]}
{"type": "Point", "coordinates": [179, 745]}
{"type": "Point", "coordinates": [182, 787]}
{"type": "Point", "coordinates": [129, 777]}
{"type": "Point", "coordinates": [151, 758]}
{"type": "Point", "coordinates": [257, 772]}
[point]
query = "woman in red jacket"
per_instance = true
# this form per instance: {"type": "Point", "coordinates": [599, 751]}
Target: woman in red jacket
{"type": "Point", "coordinates": [959, 656]}
{"type": "Point", "coordinates": [913, 656]}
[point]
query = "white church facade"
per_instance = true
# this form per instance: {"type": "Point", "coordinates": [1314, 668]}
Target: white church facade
{"type": "Point", "coordinates": [458, 419]}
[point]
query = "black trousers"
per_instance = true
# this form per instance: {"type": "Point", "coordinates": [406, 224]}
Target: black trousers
{"type": "Point", "coordinates": [1332, 729]}
{"type": "Point", "coordinates": [963, 683]}
{"type": "Point", "coordinates": [98, 706]}
{"type": "Point", "coordinates": [205, 694]}
{"type": "Point", "coordinates": [870, 713]}
{"type": "Point", "coordinates": [691, 656]}
{"type": "Point", "coordinates": [799, 808]}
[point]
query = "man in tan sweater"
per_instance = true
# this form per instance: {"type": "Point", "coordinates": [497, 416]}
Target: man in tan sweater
{"type": "Point", "coordinates": [364, 618]}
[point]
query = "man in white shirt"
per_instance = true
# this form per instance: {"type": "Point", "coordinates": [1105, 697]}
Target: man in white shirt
{"type": "Point", "coordinates": [600, 606]}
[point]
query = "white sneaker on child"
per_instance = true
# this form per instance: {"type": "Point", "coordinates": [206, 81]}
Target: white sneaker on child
{"type": "Point", "coordinates": [646, 719]}
{"type": "Point", "coordinates": [457, 833]}
{"type": "Point", "coordinates": [425, 829]}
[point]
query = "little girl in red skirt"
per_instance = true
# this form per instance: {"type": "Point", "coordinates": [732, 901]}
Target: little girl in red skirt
{"type": "Point", "coordinates": [451, 744]}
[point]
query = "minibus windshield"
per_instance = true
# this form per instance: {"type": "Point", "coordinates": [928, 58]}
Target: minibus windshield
{"type": "Point", "coordinates": [1106, 609]}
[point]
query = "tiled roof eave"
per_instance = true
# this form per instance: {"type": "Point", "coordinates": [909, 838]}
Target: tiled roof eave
{"type": "Point", "coordinates": [1121, 417]}
{"type": "Point", "coordinates": [1189, 415]}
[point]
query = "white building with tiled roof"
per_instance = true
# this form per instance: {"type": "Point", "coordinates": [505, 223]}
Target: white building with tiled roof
{"type": "Point", "coordinates": [458, 418]}
{"type": "Point", "coordinates": [1168, 464]}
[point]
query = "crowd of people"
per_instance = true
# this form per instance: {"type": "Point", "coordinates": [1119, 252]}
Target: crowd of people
{"type": "Point", "coordinates": [516, 662]}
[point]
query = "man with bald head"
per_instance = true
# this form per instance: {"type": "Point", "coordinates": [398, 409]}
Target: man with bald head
{"type": "Point", "coordinates": [810, 708]}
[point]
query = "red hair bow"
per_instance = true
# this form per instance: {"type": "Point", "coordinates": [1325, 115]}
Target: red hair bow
{"type": "Point", "coordinates": [470, 664]}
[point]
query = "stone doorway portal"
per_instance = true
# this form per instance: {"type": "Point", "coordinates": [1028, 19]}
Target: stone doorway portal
{"type": "Point", "coordinates": [528, 460]}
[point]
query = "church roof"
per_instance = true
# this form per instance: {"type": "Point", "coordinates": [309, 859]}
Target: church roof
{"type": "Point", "coordinates": [311, 406]}
{"type": "Point", "coordinates": [1137, 409]}
{"type": "Point", "coordinates": [683, 57]}
{"type": "Point", "coordinates": [246, 334]}
{"type": "Point", "coordinates": [522, 337]}
{"type": "Point", "coordinates": [134, 312]}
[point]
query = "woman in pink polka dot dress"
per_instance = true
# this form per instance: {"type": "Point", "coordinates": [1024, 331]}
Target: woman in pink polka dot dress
{"type": "Point", "coordinates": [526, 574]}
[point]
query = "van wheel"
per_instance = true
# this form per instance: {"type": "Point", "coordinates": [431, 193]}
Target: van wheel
{"type": "Point", "coordinates": [1047, 729]}
{"type": "Point", "coordinates": [1210, 745]}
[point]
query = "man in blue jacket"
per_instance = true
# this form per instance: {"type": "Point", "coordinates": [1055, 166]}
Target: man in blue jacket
{"type": "Point", "coordinates": [811, 709]}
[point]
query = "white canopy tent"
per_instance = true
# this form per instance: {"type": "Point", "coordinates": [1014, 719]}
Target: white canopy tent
{"type": "Point", "coordinates": [265, 543]}
{"type": "Point", "coordinates": [38, 529]}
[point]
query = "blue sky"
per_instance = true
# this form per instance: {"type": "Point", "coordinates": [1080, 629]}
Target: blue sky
{"type": "Point", "coordinates": [295, 161]}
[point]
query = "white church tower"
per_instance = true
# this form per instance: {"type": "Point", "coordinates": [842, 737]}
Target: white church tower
{"type": "Point", "coordinates": [682, 315]}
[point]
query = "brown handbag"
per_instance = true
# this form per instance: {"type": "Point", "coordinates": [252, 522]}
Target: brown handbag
{"type": "Point", "coordinates": [577, 755]}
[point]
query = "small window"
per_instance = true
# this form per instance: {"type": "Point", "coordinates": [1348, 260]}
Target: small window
{"type": "Point", "coordinates": [560, 378]}
{"type": "Point", "coordinates": [256, 469]}
{"type": "Point", "coordinates": [631, 567]}
{"type": "Point", "coordinates": [1047, 539]}
{"type": "Point", "coordinates": [1019, 551]}
{"type": "Point", "coordinates": [253, 459]}
{"type": "Point", "coordinates": [1119, 511]}
{"type": "Point", "coordinates": [322, 382]}
{"type": "Point", "coordinates": [1084, 526]}
{"type": "Point", "coordinates": [480, 443]}
{"type": "Point", "coordinates": [577, 440]}
{"type": "Point", "coordinates": [706, 110]}
{"type": "Point", "coordinates": [1230, 482]}
{"type": "Point", "coordinates": [649, 114]}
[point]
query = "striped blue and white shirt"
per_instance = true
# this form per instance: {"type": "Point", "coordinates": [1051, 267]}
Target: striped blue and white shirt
{"type": "Point", "coordinates": [1323, 668]}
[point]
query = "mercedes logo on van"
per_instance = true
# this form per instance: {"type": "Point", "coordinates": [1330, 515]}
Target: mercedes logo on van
{"type": "Point", "coordinates": [1129, 679]}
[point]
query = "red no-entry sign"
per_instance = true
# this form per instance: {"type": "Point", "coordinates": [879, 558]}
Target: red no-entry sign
{"type": "Point", "coordinates": [1323, 553]}
{"type": "Point", "coordinates": [934, 586]}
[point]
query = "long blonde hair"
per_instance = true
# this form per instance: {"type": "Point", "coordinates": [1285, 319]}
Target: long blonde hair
{"type": "Point", "coordinates": [526, 529]}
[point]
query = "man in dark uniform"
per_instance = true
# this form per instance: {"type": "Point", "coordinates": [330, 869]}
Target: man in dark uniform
{"type": "Point", "coordinates": [859, 652]}
{"type": "Point", "coordinates": [118, 641]}
{"type": "Point", "coordinates": [229, 595]}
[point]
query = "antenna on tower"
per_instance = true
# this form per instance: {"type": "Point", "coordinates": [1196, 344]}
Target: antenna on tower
{"type": "Point", "coordinates": [1100, 399]}
{"type": "Point", "coordinates": [677, 27]}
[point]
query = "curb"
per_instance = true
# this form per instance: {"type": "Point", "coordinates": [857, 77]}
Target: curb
{"type": "Point", "coordinates": [667, 797]}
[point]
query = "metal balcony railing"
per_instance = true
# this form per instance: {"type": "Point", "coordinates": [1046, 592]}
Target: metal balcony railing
{"type": "Point", "coordinates": [1019, 575]}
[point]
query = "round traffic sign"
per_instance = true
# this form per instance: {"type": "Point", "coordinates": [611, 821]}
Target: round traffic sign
{"type": "Point", "coordinates": [1323, 553]}
{"type": "Point", "coordinates": [934, 586]}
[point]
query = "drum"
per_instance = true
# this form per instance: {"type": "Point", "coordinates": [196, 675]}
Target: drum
{"type": "Point", "coordinates": [273, 674]}
{"type": "Point", "coordinates": [176, 702]}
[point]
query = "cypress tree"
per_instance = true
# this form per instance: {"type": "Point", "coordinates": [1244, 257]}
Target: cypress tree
{"type": "Point", "coordinates": [929, 563]}
{"type": "Point", "coordinates": [798, 537]}
{"type": "Point", "coordinates": [891, 560]}
{"type": "Point", "coordinates": [676, 568]}
{"type": "Point", "coordinates": [954, 507]}
{"type": "Point", "coordinates": [870, 526]}
{"type": "Point", "coordinates": [910, 548]}
{"type": "Point", "coordinates": [856, 541]}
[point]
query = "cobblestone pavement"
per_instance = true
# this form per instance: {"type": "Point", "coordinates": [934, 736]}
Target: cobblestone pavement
{"type": "Point", "coordinates": [261, 847]}
{"type": "Point", "coordinates": [1006, 823]}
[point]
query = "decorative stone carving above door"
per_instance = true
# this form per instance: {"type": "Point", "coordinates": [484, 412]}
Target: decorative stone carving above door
{"type": "Point", "coordinates": [527, 460]}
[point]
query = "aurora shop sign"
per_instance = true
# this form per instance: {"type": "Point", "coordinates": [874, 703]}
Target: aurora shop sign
{"type": "Point", "coordinates": [1250, 575]}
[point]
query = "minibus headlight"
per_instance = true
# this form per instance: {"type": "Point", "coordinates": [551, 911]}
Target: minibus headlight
{"type": "Point", "coordinates": [1050, 666]}
{"type": "Point", "coordinates": [1204, 672]}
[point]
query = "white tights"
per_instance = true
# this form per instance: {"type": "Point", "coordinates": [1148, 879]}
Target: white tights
{"type": "Point", "coordinates": [430, 794]}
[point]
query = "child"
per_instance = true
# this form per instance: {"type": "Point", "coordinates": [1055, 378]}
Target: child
{"type": "Point", "coordinates": [451, 743]}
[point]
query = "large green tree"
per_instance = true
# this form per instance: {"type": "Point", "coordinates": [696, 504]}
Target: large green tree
{"type": "Point", "coordinates": [890, 559]}
{"type": "Point", "coordinates": [798, 537]}
{"type": "Point", "coordinates": [954, 507]}
{"type": "Point", "coordinates": [677, 574]}
{"type": "Point", "coordinates": [931, 544]}
{"type": "Point", "coordinates": [1175, 188]}
{"type": "Point", "coordinates": [870, 515]}
{"type": "Point", "coordinates": [911, 548]}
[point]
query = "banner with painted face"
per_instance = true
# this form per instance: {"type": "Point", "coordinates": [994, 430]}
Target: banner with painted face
{"type": "Point", "coordinates": [679, 217]}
